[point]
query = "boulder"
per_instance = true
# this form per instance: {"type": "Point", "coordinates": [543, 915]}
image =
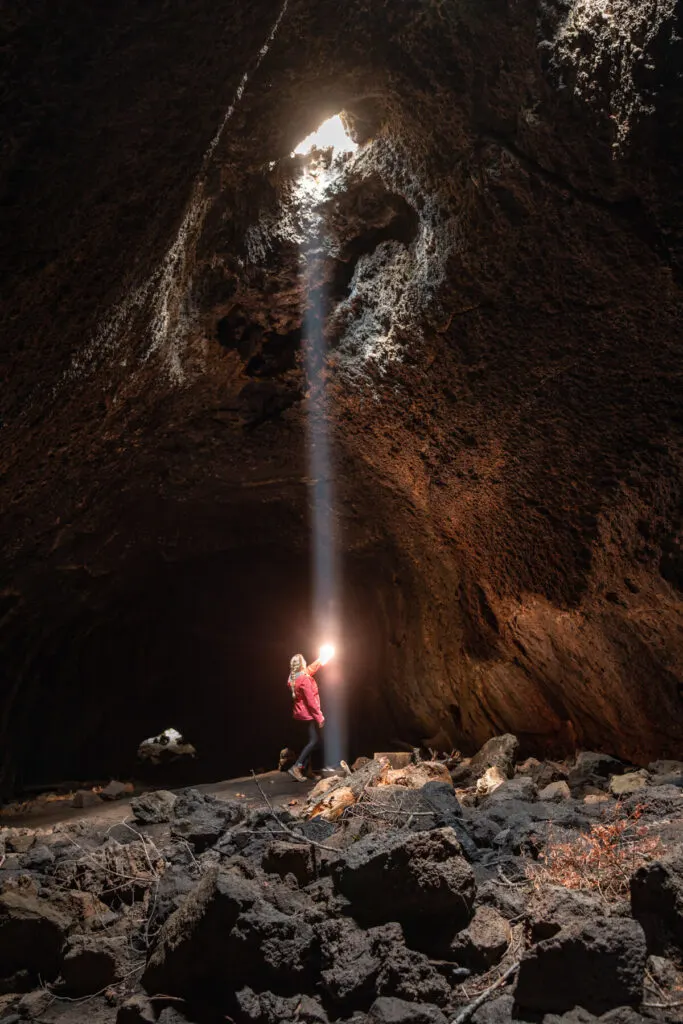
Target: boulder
{"type": "Point", "coordinates": [403, 876]}
{"type": "Point", "coordinates": [389, 1010]}
{"type": "Point", "coordinates": [32, 936]}
{"type": "Point", "coordinates": [296, 859]}
{"type": "Point", "coordinates": [498, 752]}
{"type": "Point", "coordinates": [201, 819]}
{"type": "Point", "coordinates": [629, 783]}
{"type": "Point", "coordinates": [348, 964]}
{"type": "Point", "coordinates": [657, 900]}
{"type": "Point", "coordinates": [592, 770]}
{"type": "Point", "coordinates": [543, 773]}
{"type": "Point", "coordinates": [598, 965]}
{"type": "Point", "coordinates": [153, 808]}
{"type": "Point", "coordinates": [193, 944]}
{"type": "Point", "coordinates": [272, 946]}
{"type": "Point", "coordinates": [556, 792]}
{"type": "Point", "coordinates": [90, 964]}
{"type": "Point", "coordinates": [484, 941]}
{"type": "Point", "coordinates": [558, 907]}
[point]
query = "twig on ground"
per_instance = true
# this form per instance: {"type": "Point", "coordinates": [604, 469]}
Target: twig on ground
{"type": "Point", "coordinates": [94, 995]}
{"type": "Point", "coordinates": [469, 1010]}
{"type": "Point", "coordinates": [288, 831]}
{"type": "Point", "coordinates": [663, 1006]}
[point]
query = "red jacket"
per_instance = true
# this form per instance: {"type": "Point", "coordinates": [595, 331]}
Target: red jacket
{"type": "Point", "coordinates": [304, 691]}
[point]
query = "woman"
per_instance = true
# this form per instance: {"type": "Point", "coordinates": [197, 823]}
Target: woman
{"type": "Point", "coordinates": [306, 708]}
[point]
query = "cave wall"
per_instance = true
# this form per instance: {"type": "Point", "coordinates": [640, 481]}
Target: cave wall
{"type": "Point", "coordinates": [503, 273]}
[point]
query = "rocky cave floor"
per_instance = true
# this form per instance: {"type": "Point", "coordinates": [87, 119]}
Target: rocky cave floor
{"type": "Point", "coordinates": [393, 895]}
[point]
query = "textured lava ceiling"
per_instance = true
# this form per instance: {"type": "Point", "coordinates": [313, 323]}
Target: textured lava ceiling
{"type": "Point", "coordinates": [503, 265]}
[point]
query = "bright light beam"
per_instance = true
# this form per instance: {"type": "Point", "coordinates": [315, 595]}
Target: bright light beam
{"type": "Point", "coordinates": [326, 589]}
{"type": "Point", "coordinates": [330, 135]}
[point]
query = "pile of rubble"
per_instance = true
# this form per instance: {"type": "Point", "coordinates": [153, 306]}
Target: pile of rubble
{"type": "Point", "coordinates": [398, 893]}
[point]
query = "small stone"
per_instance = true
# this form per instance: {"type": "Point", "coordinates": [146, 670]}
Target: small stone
{"type": "Point", "coordinates": [484, 941]}
{"type": "Point", "coordinates": [556, 792]}
{"type": "Point", "coordinates": [632, 782]}
{"type": "Point", "coordinates": [136, 1010]}
{"type": "Point", "coordinates": [490, 781]}
{"type": "Point", "coordinates": [39, 856]}
{"type": "Point", "coordinates": [34, 1004]}
{"type": "Point", "coordinates": [596, 798]}
{"type": "Point", "coordinates": [85, 798]}
{"type": "Point", "coordinates": [115, 790]}
{"type": "Point", "coordinates": [20, 842]}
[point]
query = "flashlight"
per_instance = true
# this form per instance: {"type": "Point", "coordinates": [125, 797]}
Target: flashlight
{"type": "Point", "coordinates": [326, 652]}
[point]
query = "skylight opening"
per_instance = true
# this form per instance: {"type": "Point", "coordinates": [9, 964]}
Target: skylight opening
{"type": "Point", "coordinates": [330, 135]}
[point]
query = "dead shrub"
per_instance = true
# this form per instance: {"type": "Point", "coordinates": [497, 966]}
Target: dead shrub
{"type": "Point", "coordinates": [602, 859]}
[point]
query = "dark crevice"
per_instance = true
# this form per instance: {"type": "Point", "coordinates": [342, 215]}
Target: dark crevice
{"type": "Point", "coordinates": [403, 227]}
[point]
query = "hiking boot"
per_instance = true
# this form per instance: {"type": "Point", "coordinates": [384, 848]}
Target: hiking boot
{"type": "Point", "coordinates": [297, 774]}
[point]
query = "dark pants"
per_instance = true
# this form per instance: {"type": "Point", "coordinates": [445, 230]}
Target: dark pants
{"type": "Point", "coordinates": [313, 732]}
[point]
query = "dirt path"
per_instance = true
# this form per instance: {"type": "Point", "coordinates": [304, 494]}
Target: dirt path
{"type": "Point", "coordinates": [279, 787]}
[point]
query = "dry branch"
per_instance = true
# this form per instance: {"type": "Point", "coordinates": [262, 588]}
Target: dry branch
{"type": "Point", "coordinates": [469, 1010]}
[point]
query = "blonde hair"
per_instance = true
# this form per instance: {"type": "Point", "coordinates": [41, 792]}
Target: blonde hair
{"type": "Point", "coordinates": [297, 665]}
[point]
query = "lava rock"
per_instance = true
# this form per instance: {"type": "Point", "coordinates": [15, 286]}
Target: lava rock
{"type": "Point", "coordinates": [495, 1011]}
{"type": "Point", "coordinates": [270, 945]}
{"type": "Point", "coordinates": [559, 907]}
{"type": "Point", "coordinates": [499, 752]}
{"type": "Point", "coordinates": [519, 788]}
{"type": "Point", "coordinates": [154, 808]}
{"type": "Point", "coordinates": [136, 1010]}
{"type": "Point", "coordinates": [85, 798]}
{"type": "Point", "coordinates": [38, 858]}
{"type": "Point", "coordinates": [19, 842]}
{"type": "Point", "coordinates": [201, 819]}
{"type": "Point", "coordinates": [193, 944]}
{"type": "Point", "coordinates": [389, 1010]}
{"type": "Point", "coordinates": [348, 964]}
{"type": "Point", "coordinates": [115, 790]}
{"type": "Point", "coordinates": [657, 900]}
{"type": "Point", "coordinates": [403, 876]}
{"type": "Point", "coordinates": [626, 785]}
{"type": "Point", "coordinates": [592, 769]}
{"type": "Point", "coordinates": [484, 941]}
{"type": "Point", "coordinates": [34, 1004]}
{"type": "Point", "coordinates": [555, 792]}
{"type": "Point", "coordinates": [598, 965]}
{"type": "Point", "coordinates": [32, 935]}
{"type": "Point", "coordinates": [90, 964]}
{"type": "Point", "coordinates": [290, 858]}
{"type": "Point", "coordinates": [268, 1008]}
